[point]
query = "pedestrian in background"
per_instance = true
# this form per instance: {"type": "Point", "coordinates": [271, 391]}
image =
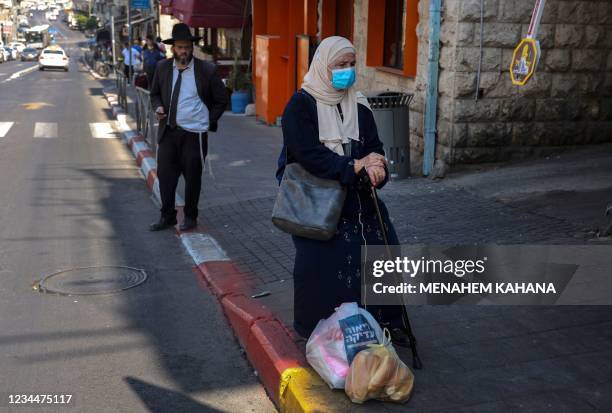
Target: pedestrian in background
{"type": "Point", "coordinates": [161, 45]}
{"type": "Point", "coordinates": [130, 65]}
{"type": "Point", "coordinates": [188, 98]}
{"type": "Point", "coordinates": [329, 128]}
{"type": "Point", "coordinates": [150, 56]}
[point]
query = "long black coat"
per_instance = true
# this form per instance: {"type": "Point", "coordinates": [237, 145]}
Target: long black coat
{"type": "Point", "coordinates": [211, 90]}
{"type": "Point", "coordinates": [327, 273]}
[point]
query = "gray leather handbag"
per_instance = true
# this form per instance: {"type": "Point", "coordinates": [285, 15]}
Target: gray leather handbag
{"type": "Point", "coordinates": [306, 205]}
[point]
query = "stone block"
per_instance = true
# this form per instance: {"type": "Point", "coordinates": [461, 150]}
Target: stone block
{"type": "Point", "coordinates": [564, 85]}
{"type": "Point", "coordinates": [566, 11]}
{"type": "Point", "coordinates": [606, 109]}
{"type": "Point", "coordinates": [551, 10]}
{"type": "Point", "coordinates": [599, 132]}
{"type": "Point", "coordinates": [446, 107]}
{"type": "Point", "coordinates": [512, 110]}
{"type": "Point", "coordinates": [469, 110]}
{"type": "Point", "coordinates": [569, 35]}
{"type": "Point", "coordinates": [501, 34]}
{"type": "Point", "coordinates": [502, 87]}
{"type": "Point", "coordinates": [465, 84]}
{"type": "Point", "coordinates": [447, 58]}
{"type": "Point", "coordinates": [550, 110]}
{"type": "Point", "coordinates": [465, 34]}
{"type": "Point", "coordinates": [448, 34]}
{"type": "Point", "coordinates": [546, 36]}
{"type": "Point", "coordinates": [587, 13]}
{"type": "Point", "coordinates": [468, 59]}
{"type": "Point", "coordinates": [588, 60]}
{"type": "Point", "coordinates": [608, 43]}
{"type": "Point", "coordinates": [594, 36]}
{"type": "Point", "coordinates": [521, 133]}
{"type": "Point", "coordinates": [460, 135]}
{"type": "Point", "coordinates": [446, 82]}
{"type": "Point", "coordinates": [557, 60]}
{"type": "Point", "coordinates": [515, 11]}
{"type": "Point", "coordinates": [590, 84]}
{"type": "Point", "coordinates": [605, 12]}
{"type": "Point", "coordinates": [591, 108]}
{"type": "Point", "coordinates": [489, 134]}
{"type": "Point", "coordinates": [538, 87]}
{"type": "Point", "coordinates": [470, 10]}
{"type": "Point", "coordinates": [556, 133]}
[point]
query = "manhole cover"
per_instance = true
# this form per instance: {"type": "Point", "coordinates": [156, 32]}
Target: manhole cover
{"type": "Point", "coordinates": [92, 280]}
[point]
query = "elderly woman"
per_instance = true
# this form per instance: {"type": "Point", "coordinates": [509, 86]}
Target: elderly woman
{"type": "Point", "coordinates": [329, 129]}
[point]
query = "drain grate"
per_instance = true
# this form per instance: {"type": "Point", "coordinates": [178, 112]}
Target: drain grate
{"type": "Point", "coordinates": [92, 280]}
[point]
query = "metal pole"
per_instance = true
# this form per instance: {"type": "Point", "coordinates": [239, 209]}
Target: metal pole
{"type": "Point", "coordinates": [113, 39]}
{"type": "Point", "coordinates": [129, 22]}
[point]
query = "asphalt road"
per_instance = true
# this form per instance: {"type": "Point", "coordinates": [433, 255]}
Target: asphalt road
{"type": "Point", "coordinates": [71, 196]}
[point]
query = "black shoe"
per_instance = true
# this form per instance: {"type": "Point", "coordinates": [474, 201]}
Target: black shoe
{"type": "Point", "coordinates": [188, 223]}
{"type": "Point", "coordinates": [162, 224]}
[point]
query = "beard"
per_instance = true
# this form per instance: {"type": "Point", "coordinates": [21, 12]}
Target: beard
{"type": "Point", "coordinates": [182, 59]}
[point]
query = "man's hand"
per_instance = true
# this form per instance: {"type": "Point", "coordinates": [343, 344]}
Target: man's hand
{"type": "Point", "coordinates": [159, 112]}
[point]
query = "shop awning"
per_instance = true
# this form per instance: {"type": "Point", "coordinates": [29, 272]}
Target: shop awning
{"type": "Point", "coordinates": [210, 13]}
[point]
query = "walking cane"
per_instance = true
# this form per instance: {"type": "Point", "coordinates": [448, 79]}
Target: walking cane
{"type": "Point", "coordinates": [407, 328]}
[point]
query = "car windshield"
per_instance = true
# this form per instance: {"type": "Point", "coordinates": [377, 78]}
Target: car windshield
{"type": "Point", "coordinates": [53, 52]}
{"type": "Point", "coordinates": [29, 50]}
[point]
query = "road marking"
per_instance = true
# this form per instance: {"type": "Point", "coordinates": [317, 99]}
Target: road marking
{"type": "Point", "coordinates": [203, 248]}
{"type": "Point", "coordinates": [102, 130]}
{"type": "Point", "coordinates": [45, 130]}
{"type": "Point", "coordinates": [5, 127]}
{"type": "Point", "coordinates": [20, 73]}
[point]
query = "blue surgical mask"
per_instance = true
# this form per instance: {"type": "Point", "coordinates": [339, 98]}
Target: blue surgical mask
{"type": "Point", "coordinates": [343, 78]}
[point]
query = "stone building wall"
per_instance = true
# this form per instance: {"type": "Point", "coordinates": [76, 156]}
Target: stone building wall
{"type": "Point", "coordinates": [567, 102]}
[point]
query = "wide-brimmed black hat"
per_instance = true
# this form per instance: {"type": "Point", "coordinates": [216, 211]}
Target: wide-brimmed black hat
{"type": "Point", "coordinates": [181, 31]}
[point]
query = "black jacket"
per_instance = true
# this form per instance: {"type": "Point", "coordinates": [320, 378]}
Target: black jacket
{"type": "Point", "coordinates": [210, 89]}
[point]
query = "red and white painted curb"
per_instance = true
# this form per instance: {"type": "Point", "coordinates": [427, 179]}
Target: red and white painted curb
{"type": "Point", "coordinates": [269, 344]}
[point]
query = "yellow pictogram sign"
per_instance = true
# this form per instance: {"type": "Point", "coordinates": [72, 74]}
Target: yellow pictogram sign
{"type": "Point", "coordinates": [524, 61]}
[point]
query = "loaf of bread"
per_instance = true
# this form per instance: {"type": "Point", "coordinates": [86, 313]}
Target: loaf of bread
{"type": "Point", "coordinates": [378, 373]}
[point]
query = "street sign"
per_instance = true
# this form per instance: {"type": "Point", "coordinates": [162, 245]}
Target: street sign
{"type": "Point", "coordinates": [527, 53]}
{"type": "Point", "coordinates": [524, 61]}
{"type": "Point", "coordinates": [140, 4]}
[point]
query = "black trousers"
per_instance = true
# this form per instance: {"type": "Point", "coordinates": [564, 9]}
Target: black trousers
{"type": "Point", "coordinates": [178, 153]}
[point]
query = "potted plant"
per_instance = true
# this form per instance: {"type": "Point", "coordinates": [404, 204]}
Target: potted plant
{"type": "Point", "coordinates": [239, 83]}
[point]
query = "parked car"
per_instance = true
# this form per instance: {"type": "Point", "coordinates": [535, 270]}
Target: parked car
{"type": "Point", "coordinates": [53, 57]}
{"type": "Point", "coordinates": [13, 53]}
{"type": "Point", "coordinates": [29, 54]}
{"type": "Point", "coordinates": [5, 53]}
{"type": "Point", "coordinates": [17, 45]}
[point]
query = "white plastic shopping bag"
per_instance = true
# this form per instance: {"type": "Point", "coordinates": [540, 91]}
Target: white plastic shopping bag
{"type": "Point", "coordinates": [336, 340]}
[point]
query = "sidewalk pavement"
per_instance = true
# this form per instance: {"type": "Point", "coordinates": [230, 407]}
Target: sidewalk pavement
{"type": "Point", "coordinates": [493, 358]}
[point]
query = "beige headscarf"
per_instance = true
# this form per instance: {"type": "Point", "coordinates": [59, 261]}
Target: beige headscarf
{"type": "Point", "coordinates": [333, 131]}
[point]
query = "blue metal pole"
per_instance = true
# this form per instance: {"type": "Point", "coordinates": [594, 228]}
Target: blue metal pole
{"type": "Point", "coordinates": [431, 98]}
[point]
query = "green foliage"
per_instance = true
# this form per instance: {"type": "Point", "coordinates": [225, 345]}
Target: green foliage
{"type": "Point", "coordinates": [238, 79]}
{"type": "Point", "coordinates": [92, 23]}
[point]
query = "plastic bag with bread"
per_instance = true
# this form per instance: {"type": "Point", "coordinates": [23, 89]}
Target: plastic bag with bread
{"type": "Point", "coordinates": [378, 373]}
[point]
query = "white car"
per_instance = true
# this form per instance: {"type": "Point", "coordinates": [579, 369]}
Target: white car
{"type": "Point", "coordinates": [53, 57]}
{"type": "Point", "coordinates": [18, 46]}
{"type": "Point", "coordinates": [6, 56]}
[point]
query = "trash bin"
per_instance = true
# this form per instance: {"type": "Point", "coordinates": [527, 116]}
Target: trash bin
{"type": "Point", "coordinates": [392, 118]}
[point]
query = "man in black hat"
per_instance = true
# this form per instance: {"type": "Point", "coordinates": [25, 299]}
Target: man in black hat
{"type": "Point", "coordinates": [188, 98]}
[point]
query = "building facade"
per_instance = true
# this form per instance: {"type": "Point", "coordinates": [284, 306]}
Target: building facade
{"type": "Point", "coordinates": [480, 115]}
